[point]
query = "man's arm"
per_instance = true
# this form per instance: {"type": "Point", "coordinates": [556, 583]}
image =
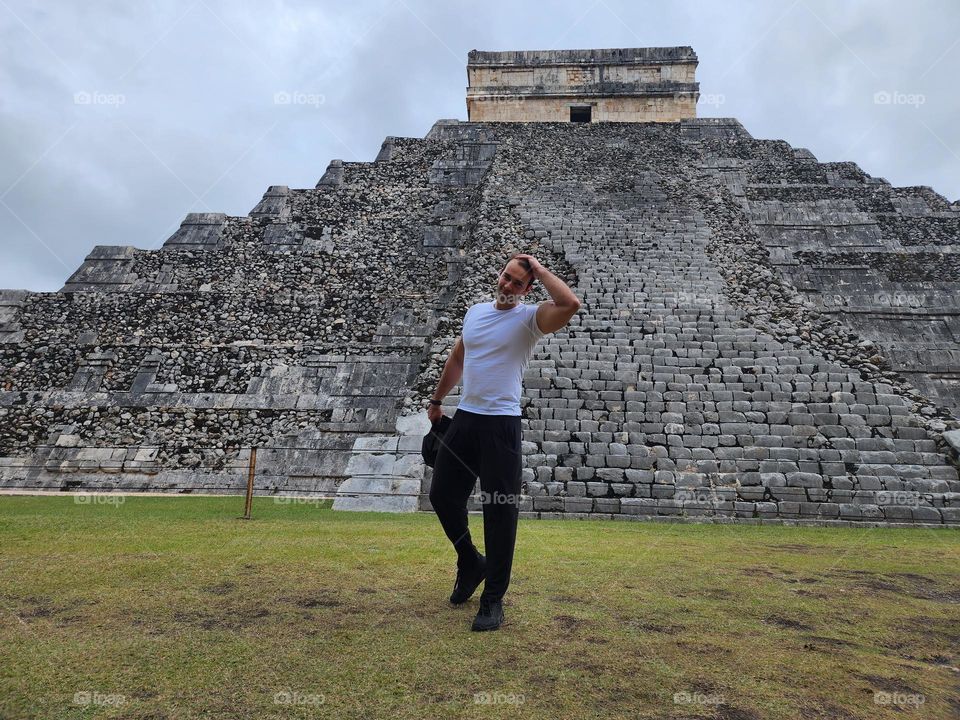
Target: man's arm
{"type": "Point", "coordinates": [452, 371]}
{"type": "Point", "coordinates": [556, 313]}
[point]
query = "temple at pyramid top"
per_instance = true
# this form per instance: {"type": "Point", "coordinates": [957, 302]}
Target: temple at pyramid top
{"type": "Point", "coordinates": [612, 85]}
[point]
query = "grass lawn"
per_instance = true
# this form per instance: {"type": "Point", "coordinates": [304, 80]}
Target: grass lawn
{"type": "Point", "coordinates": [171, 607]}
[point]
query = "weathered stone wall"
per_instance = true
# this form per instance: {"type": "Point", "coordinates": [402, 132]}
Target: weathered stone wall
{"type": "Point", "coordinates": [296, 330]}
{"type": "Point", "coordinates": [883, 260]}
{"type": "Point", "coordinates": [739, 355]}
{"type": "Point", "coordinates": [621, 85]}
{"type": "Point", "coordinates": [696, 381]}
{"type": "Point", "coordinates": [577, 73]}
{"type": "Point", "coordinates": [669, 108]}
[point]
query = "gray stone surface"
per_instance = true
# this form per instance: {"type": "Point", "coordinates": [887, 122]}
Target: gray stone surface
{"type": "Point", "coordinates": [952, 438]}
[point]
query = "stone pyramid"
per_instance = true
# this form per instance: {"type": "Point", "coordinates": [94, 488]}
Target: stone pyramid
{"type": "Point", "coordinates": [764, 338]}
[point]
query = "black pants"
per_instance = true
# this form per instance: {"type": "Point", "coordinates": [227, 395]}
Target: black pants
{"type": "Point", "coordinates": [488, 446]}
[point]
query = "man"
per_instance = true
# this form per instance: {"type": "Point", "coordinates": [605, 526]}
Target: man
{"type": "Point", "coordinates": [484, 436]}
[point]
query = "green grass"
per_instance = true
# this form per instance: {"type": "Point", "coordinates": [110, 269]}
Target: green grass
{"type": "Point", "coordinates": [188, 612]}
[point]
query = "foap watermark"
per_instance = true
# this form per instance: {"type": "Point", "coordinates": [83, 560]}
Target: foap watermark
{"type": "Point", "coordinates": [98, 498]}
{"type": "Point", "coordinates": [899, 299]}
{"type": "Point", "coordinates": [910, 700]}
{"type": "Point", "coordinates": [831, 300]}
{"type": "Point", "coordinates": [703, 100]}
{"type": "Point", "coordinates": [685, 697]}
{"type": "Point", "coordinates": [296, 97]}
{"type": "Point", "coordinates": [499, 498]}
{"type": "Point", "coordinates": [86, 698]}
{"type": "Point", "coordinates": [498, 698]}
{"type": "Point", "coordinates": [295, 697]}
{"type": "Point", "coordinates": [296, 500]}
{"type": "Point", "coordinates": [499, 99]}
{"type": "Point", "coordinates": [699, 498]}
{"type": "Point", "coordinates": [693, 297]}
{"type": "Point", "coordinates": [895, 97]}
{"type": "Point", "coordinates": [898, 498]}
{"type": "Point", "coordinates": [86, 97]}
{"type": "Point", "coordinates": [712, 100]}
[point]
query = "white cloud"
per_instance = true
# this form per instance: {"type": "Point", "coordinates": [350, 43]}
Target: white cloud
{"type": "Point", "coordinates": [198, 80]}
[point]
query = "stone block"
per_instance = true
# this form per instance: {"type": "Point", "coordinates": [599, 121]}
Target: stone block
{"type": "Point", "coordinates": [638, 506]}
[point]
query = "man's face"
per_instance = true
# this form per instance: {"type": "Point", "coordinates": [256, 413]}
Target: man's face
{"type": "Point", "coordinates": [513, 281]}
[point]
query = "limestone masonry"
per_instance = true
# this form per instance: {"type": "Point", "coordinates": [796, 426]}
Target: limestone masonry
{"type": "Point", "coordinates": [622, 85]}
{"type": "Point", "coordinates": [764, 337]}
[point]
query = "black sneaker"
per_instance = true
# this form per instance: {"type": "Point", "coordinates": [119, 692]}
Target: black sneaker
{"type": "Point", "coordinates": [489, 616]}
{"type": "Point", "coordinates": [468, 579]}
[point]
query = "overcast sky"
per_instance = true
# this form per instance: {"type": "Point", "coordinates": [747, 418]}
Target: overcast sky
{"type": "Point", "coordinates": [117, 119]}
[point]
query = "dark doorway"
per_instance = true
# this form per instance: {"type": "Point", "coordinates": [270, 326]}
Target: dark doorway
{"type": "Point", "coordinates": [580, 114]}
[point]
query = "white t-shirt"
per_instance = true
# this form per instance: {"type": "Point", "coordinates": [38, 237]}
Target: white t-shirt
{"type": "Point", "coordinates": [497, 346]}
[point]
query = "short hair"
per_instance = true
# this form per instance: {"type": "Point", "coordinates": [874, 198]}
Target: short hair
{"type": "Point", "coordinates": [524, 263]}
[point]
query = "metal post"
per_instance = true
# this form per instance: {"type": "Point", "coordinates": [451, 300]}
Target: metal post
{"type": "Point", "coordinates": [253, 469]}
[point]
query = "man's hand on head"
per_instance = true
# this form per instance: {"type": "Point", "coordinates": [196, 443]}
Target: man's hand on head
{"type": "Point", "coordinates": [535, 266]}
